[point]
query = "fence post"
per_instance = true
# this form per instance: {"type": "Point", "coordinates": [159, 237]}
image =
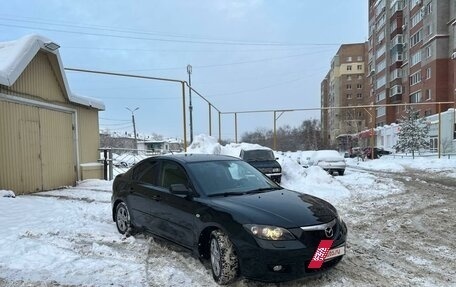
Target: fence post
{"type": "Point", "coordinates": [105, 164]}
{"type": "Point", "coordinates": [110, 165]}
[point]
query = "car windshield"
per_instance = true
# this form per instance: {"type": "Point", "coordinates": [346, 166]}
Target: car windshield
{"type": "Point", "coordinates": [223, 178]}
{"type": "Point", "coordinates": [258, 155]}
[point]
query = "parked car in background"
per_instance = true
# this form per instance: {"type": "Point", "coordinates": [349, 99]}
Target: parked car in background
{"type": "Point", "coordinates": [264, 160]}
{"type": "Point", "coordinates": [229, 213]}
{"type": "Point", "coordinates": [329, 160]}
{"type": "Point", "coordinates": [378, 152]}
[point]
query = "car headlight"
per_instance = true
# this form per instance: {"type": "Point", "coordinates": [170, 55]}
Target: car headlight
{"type": "Point", "coordinates": [276, 169]}
{"type": "Point", "coordinates": [267, 232]}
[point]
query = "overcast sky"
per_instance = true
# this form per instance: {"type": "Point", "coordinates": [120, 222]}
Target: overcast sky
{"type": "Point", "coordinates": [246, 55]}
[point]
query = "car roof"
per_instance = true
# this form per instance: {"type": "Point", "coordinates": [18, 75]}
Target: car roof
{"type": "Point", "coordinates": [194, 157]}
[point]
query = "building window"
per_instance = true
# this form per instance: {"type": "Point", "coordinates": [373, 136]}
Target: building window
{"type": "Point", "coordinates": [380, 51]}
{"type": "Point", "coordinates": [359, 67]}
{"type": "Point", "coordinates": [360, 77]}
{"type": "Point", "coordinates": [380, 36]}
{"type": "Point", "coordinates": [416, 18]}
{"type": "Point", "coordinates": [433, 144]}
{"type": "Point", "coordinates": [349, 96]}
{"type": "Point", "coordinates": [416, 38]}
{"type": "Point", "coordinates": [396, 90]}
{"type": "Point", "coordinates": [428, 9]}
{"type": "Point", "coordinates": [359, 58]}
{"type": "Point", "coordinates": [349, 86]}
{"type": "Point", "coordinates": [349, 59]}
{"type": "Point", "coordinates": [413, 3]}
{"type": "Point", "coordinates": [381, 96]}
{"type": "Point", "coordinates": [349, 78]}
{"type": "Point", "coordinates": [428, 94]}
{"type": "Point", "coordinates": [428, 51]}
{"type": "Point", "coordinates": [396, 73]}
{"type": "Point", "coordinates": [415, 97]}
{"type": "Point", "coordinates": [416, 58]}
{"type": "Point", "coordinates": [381, 111]}
{"type": "Point", "coordinates": [359, 86]}
{"type": "Point", "coordinates": [415, 78]}
{"type": "Point", "coordinates": [429, 29]}
{"type": "Point", "coordinates": [349, 68]}
{"type": "Point", "coordinates": [359, 96]}
{"type": "Point", "coordinates": [428, 73]}
{"type": "Point", "coordinates": [393, 26]}
{"type": "Point", "coordinates": [380, 82]}
{"type": "Point", "coordinates": [381, 66]}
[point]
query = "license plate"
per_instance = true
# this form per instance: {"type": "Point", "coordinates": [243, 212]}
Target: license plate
{"type": "Point", "coordinates": [335, 252]}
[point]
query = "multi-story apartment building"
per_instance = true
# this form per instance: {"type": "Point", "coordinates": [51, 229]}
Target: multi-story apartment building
{"type": "Point", "coordinates": [345, 86]}
{"type": "Point", "coordinates": [411, 43]}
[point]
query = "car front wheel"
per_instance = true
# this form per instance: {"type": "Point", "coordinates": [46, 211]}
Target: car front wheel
{"type": "Point", "coordinates": [123, 221]}
{"type": "Point", "coordinates": [224, 261]}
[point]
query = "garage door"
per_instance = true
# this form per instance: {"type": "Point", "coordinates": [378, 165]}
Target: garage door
{"type": "Point", "coordinates": [37, 149]}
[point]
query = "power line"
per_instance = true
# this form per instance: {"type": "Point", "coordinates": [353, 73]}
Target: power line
{"type": "Point", "coordinates": [207, 42]}
{"type": "Point", "coordinates": [234, 63]}
{"type": "Point", "coordinates": [117, 120]}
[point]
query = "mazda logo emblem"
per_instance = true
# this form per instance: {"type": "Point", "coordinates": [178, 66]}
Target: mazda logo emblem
{"type": "Point", "coordinates": [329, 232]}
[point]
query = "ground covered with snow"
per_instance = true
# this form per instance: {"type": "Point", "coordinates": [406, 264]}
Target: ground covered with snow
{"type": "Point", "coordinates": [400, 214]}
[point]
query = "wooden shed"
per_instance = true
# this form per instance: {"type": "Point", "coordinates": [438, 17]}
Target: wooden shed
{"type": "Point", "coordinates": [47, 134]}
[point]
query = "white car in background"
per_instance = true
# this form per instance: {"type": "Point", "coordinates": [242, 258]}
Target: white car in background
{"type": "Point", "coordinates": [329, 160]}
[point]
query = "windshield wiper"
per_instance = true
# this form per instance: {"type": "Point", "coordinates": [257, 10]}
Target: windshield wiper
{"type": "Point", "coordinates": [262, 189]}
{"type": "Point", "coordinates": [228, 193]}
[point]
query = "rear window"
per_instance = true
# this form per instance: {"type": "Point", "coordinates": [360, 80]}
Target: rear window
{"type": "Point", "coordinates": [258, 155]}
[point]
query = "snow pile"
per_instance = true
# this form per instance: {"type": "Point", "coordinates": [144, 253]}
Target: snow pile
{"type": "Point", "coordinates": [7, 193]}
{"type": "Point", "coordinates": [204, 144]}
{"type": "Point", "coordinates": [395, 163]}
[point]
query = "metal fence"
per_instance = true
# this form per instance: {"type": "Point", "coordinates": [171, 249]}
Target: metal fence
{"type": "Point", "coordinates": [119, 160]}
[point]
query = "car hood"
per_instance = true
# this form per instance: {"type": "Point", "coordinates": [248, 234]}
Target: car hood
{"type": "Point", "coordinates": [284, 208]}
{"type": "Point", "coordinates": [264, 164]}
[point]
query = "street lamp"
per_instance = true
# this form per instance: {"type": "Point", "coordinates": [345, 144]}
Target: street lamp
{"type": "Point", "coordinates": [134, 125]}
{"type": "Point", "coordinates": [190, 107]}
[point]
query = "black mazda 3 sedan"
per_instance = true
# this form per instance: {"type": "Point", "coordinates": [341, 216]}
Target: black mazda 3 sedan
{"type": "Point", "coordinates": [226, 211]}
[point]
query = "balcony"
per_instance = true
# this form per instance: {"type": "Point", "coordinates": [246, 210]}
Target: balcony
{"type": "Point", "coordinates": [397, 6]}
{"type": "Point", "coordinates": [396, 90]}
{"type": "Point", "coordinates": [397, 57]}
{"type": "Point", "coordinates": [397, 40]}
{"type": "Point", "coordinates": [396, 99]}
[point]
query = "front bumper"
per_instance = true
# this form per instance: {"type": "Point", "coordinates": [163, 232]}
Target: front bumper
{"type": "Point", "coordinates": [257, 260]}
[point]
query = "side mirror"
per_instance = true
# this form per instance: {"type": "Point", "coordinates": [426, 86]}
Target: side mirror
{"type": "Point", "coordinates": [277, 158]}
{"type": "Point", "coordinates": [179, 189]}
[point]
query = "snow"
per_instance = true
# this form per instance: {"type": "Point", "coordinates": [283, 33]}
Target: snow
{"type": "Point", "coordinates": [67, 236]}
{"type": "Point", "coordinates": [16, 55]}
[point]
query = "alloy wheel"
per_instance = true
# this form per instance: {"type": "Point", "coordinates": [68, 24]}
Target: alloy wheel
{"type": "Point", "coordinates": [215, 257]}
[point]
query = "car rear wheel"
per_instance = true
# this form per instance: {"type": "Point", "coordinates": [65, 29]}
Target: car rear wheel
{"type": "Point", "coordinates": [123, 221]}
{"type": "Point", "coordinates": [224, 261]}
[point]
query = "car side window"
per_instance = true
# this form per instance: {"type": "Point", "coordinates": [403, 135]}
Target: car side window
{"type": "Point", "coordinates": [172, 173]}
{"type": "Point", "coordinates": [147, 172]}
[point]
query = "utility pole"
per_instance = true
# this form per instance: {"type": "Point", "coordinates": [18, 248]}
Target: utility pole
{"type": "Point", "coordinates": [134, 125]}
{"type": "Point", "coordinates": [190, 107]}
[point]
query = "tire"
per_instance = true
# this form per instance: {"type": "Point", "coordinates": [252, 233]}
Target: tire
{"type": "Point", "coordinates": [341, 171]}
{"type": "Point", "coordinates": [123, 221]}
{"type": "Point", "coordinates": [224, 261]}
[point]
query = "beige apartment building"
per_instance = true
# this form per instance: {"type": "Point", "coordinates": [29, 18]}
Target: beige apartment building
{"type": "Point", "coordinates": [345, 85]}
